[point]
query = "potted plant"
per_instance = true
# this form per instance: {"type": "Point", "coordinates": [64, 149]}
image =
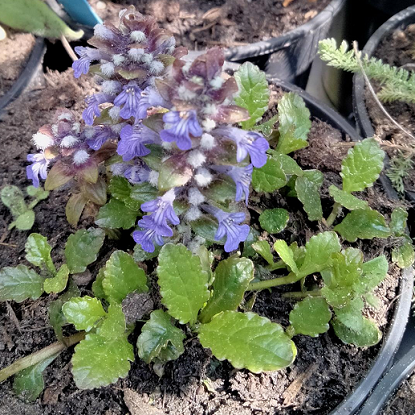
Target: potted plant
{"type": "Point", "coordinates": [177, 145]}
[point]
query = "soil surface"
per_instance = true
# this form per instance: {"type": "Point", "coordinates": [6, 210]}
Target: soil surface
{"type": "Point", "coordinates": [324, 372]}
{"type": "Point", "coordinates": [403, 401]}
{"type": "Point", "coordinates": [398, 50]}
{"type": "Point", "coordinates": [14, 53]}
{"type": "Point", "coordinates": [200, 24]}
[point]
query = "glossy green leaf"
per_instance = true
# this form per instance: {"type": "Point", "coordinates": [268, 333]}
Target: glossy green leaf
{"type": "Point", "coordinates": [318, 252]}
{"type": "Point", "coordinates": [37, 192]}
{"type": "Point", "coordinates": [29, 383]}
{"type": "Point", "coordinates": [143, 192]}
{"type": "Point", "coordinates": [398, 221]}
{"type": "Point", "coordinates": [83, 312]}
{"type": "Point", "coordinates": [13, 198]}
{"type": "Point", "coordinates": [274, 220]}
{"type": "Point", "coordinates": [307, 188]}
{"type": "Point", "coordinates": [157, 334]}
{"type": "Point", "coordinates": [140, 255]}
{"type": "Point", "coordinates": [269, 177]}
{"type": "Point", "coordinates": [294, 125]}
{"type": "Point", "coordinates": [82, 248]}
{"type": "Point", "coordinates": [253, 235]}
{"type": "Point", "coordinates": [121, 189]}
{"type": "Point", "coordinates": [253, 92]}
{"type": "Point", "coordinates": [403, 255]}
{"type": "Point", "coordinates": [220, 190]}
{"type": "Point", "coordinates": [346, 199]}
{"type": "Point", "coordinates": [97, 287]}
{"type": "Point", "coordinates": [374, 272]}
{"type": "Point", "coordinates": [206, 228]}
{"type": "Point", "coordinates": [232, 277]}
{"type": "Point", "coordinates": [363, 224]}
{"type": "Point", "coordinates": [248, 341]}
{"type": "Point", "coordinates": [38, 252]}
{"type": "Point", "coordinates": [104, 356]}
{"type": "Point", "coordinates": [25, 221]}
{"type": "Point", "coordinates": [362, 166]}
{"type": "Point", "coordinates": [183, 283]}
{"type": "Point", "coordinates": [368, 335]}
{"type": "Point", "coordinates": [58, 282]}
{"type": "Point", "coordinates": [286, 254]}
{"type": "Point", "coordinates": [20, 283]}
{"type": "Point", "coordinates": [263, 249]}
{"type": "Point", "coordinates": [115, 214]}
{"type": "Point", "coordinates": [311, 316]}
{"type": "Point", "coordinates": [122, 276]}
{"type": "Point", "coordinates": [74, 208]}
{"type": "Point", "coordinates": [174, 172]}
{"type": "Point", "coordinates": [351, 316]}
{"type": "Point", "coordinates": [288, 165]}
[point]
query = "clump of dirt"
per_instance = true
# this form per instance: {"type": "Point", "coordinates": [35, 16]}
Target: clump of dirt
{"type": "Point", "coordinates": [200, 24]}
{"type": "Point", "coordinates": [403, 401]}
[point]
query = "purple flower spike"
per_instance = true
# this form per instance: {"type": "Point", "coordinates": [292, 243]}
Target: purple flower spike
{"type": "Point", "coordinates": [38, 167]}
{"type": "Point", "coordinates": [87, 55]}
{"type": "Point", "coordinates": [242, 177]}
{"type": "Point", "coordinates": [229, 227]}
{"type": "Point", "coordinates": [130, 99]}
{"type": "Point", "coordinates": [92, 110]}
{"type": "Point", "coordinates": [150, 98]}
{"type": "Point", "coordinates": [182, 123]}
{"type": "Point", "coordinates": [248, 142]}
{"type": "Point", "coordinates": [101, 135]}
{"type": "Point", "coordinates": [133, 139]}
{"type": "Point", "coordinates": [137, 173]}
{"type": "Point", "coordinates": [152, 233]}
{"type": "Point", "coordinates": [162, 209]}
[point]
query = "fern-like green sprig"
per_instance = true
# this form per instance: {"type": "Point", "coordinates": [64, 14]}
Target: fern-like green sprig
{"type": "Point", "coordinates": [400, 166]}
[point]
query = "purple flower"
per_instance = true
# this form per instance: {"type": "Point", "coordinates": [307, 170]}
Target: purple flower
{"type": "Point", "coordinates": [150, 98]}
{"type": "Point", "coordinates": [242, 177]}
{"type": "Point", "coordinates": [247, 142]}
{"type": "Point", "coordinates": [162, 209]}
{"type": "Point", "coordinates": [87, 55]}
{"type": "Point", "coordinates": [38, 167]}
{"type": "Point", "coordinates": [152, 233]}
{"type": "Point", "coordinates": [229, 227]}
{"type": "Point", "coordinates": [130, 98]}
{"type": "Point", "coordinates": [137, 173]}
{"type": "Point", "coordinates": [182, 123]}
{"type": "Point", "coordinates": [133, 138]}
{"type": "Point", "coordinates": [92, 110]}
{"type": "Point", "coordinates": [101, 135]}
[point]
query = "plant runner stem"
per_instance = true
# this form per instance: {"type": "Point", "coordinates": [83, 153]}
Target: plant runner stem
{"type": "Point", "coordinates": [300, 295]}
{"type": "Point", "coordinates": [333, 215]}
{"type": "Point", "coordinates": [275, 282]}
{"type": "Point", "coordinates": [40, 355]}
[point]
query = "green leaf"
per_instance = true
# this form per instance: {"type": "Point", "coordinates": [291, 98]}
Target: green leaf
{"type": "Point", "coordinates": [363, 224]}
{"type": "Point", "coordinates": [140, 255]}
{"type": "Point", "coordinates": [29, 383]}
{"type": "Point", "coordinates": [274, 220]}
{"type": "Point", "coordinates": [253, 92]}
{"type": "Point", "coordinates": [266, 127]}
{"type": "Point", "coordinates": [311, 317]}
{"type": "Point", "coordinates": [374, 272]}
{"type": "Point", "coordinates": [37, 192]}
{"type": "Point", "coordinates": [19, 284]}
{"type": "Point", "coordinates": [286, 254]}
{"type": "Point", "coordinates": [206, 228]}
{"type": "Point", "coordinates": [57, 283]}
{"type": "Point", "coordinates": [83, 312]}
{"type": "Point", "coordinates": [248, 341]}
{"type": "Point", "coordinates": [350, 316]}
{"type": "Point", "coordinates": [368, 335]}
{"type": "Point", "coordinates": [220, 190]}
{"type": "Point", "coordinates": [122, 276]}
{"type": "Point", "coordinates": [104, 356]}
{"type": "Point", "coordinates": [346, 199]}
{"type": "Point", "coordinates": [295, 123]}
{"type": "Point", "coordinates": [307, 188]}
{"type": "Point", "coordinates": [120, 189]}
{"type": "Point", "coordinates": [398, 221]}
{"type": "Point", "coordinates": [404, 254]}
{"type": "Point", "coordinates": [82, 248]}
{"type": "Point", "coordinates": [25, 221]}
{"type": "Point", "coordinates": [232, 277]}
{"type": "Point", "coordinates": [250, 240]}
{"type": "Point", "coordinates": [183, 283]}
{"type": "Point", "coordinates": [97, 287]}
{"type": "Point", "coordinates": [143, 192]}
{"type": "Point", "coordinates": [115, 214]}
{"type": "Point", "coordinates": [95, 192]}
{"type": "Point", "coordinates": [57, 176]}
{"type": "Point", "coordinates": [75, 207]}
{"type": "Point", "coordinates": [174, 172]}
{"type": "Point", "coordinates": [288, 165]}
{"type": "Point", "coordinates": [157, 334]}
{"type": "Point", "coordinates": [38, 252]}
{"type": "Point", "coordinates": [269, 177]}
{"type": "Point", "coordinates": [318, 252]}
{"type": "Point", "coordinates": [362, 166]}
{"type": "Point", "coordinates": [263, 249]}
{"type": "Point", "coordinates": [13, 198]}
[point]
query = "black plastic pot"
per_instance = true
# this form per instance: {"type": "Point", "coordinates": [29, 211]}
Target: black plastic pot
{"type": "Point", "coordinates": [391, 7]}
{"type": "Point", "coordinates": [32, 65]}
{"type": "Point", "coordinates": [400, 20]}
{"type": "Point", "coordinates": [289, 56]}
{"type": "Point", "coordinates": [395, 332]}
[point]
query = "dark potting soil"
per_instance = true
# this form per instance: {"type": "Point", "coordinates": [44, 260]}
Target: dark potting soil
{"type": "Point", "coordinates": [398, 49]}
{"type": "Point", "coordinates": [199, 24]}
{"type": "Point", "coordinates": [14, 53]}
{"type": "Point", "coordinates": [324, 372]}
{"type": "Point", "coordinates": [403, 401]}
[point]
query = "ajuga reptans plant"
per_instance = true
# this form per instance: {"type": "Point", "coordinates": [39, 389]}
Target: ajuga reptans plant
{"type": "Point", "coordinates": [185, 149]}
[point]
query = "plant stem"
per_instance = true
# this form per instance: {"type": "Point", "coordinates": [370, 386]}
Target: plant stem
{"type": "Point", "coordinates": [333, 215]}
{"type": "Point", "coordinates": [299, 294]}
{"type": "Point", "coordinates": [40, 355]}
{"type": "Point", "coordinates": [276, 265]}
{"type": "Point", "coordinates": [275, 282]}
